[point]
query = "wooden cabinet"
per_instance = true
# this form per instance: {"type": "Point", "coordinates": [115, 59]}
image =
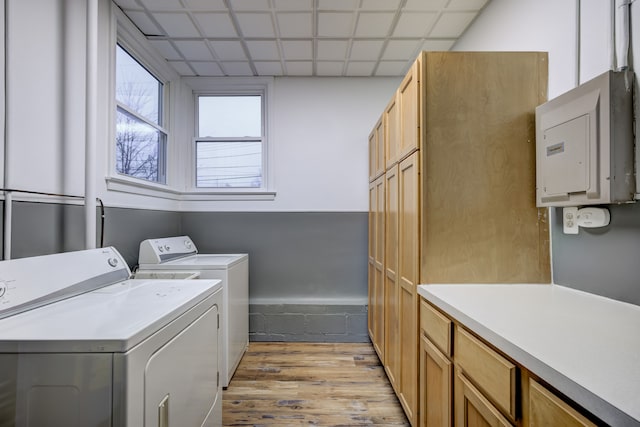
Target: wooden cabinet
{"type": "Point", "coordinates": [435, 369]}
{"type": "Point", "coordinates": [408, 276]}
{"type": "Point", "coordinates": [548, 410]}
{"type": "Point", "coordinates": [392, 132]}
{"type": "Point", "coordinates": [409, 102]}
{"type": "Point", "coordinates": [472, 409]}
{"type": "Point", "coordinates": [467, 383]}
{"type": "Point", "coordinates": [392, 341]}
{"type": "Point", "coordinates": [377, 150]}
{"type": "Point", "coordinates": [459, 162]}
{"type": "Point", "coordinates": [376, 264]}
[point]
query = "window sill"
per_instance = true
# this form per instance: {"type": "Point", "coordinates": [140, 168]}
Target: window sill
{"type": "Point", "coordinates": [133, 186]}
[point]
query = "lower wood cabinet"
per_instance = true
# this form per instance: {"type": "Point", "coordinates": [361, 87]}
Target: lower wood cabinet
{"type": "Point", "coordinates": [464, 382]}
{"type": "Point", "coordinates": [472, 408]}
{"type": "Point", "coordinates": [436, 374]}
{"type": "Point", "coordinates": [548, 410]}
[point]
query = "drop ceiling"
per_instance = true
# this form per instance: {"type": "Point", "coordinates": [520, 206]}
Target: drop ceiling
{"type": "Point", "coordinates": [298, 37]}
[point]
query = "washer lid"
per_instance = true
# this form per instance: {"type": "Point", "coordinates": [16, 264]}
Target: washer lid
{"type": "Point", "coordinates": [199, 262]}
{"type": "Point", "coordinates": [114, 318]}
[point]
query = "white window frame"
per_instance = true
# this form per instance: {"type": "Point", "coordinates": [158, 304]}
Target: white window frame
{"type": "Point", "coordinates": [125, 34]}
{"type": "Point", "coordinates": [231, 87]}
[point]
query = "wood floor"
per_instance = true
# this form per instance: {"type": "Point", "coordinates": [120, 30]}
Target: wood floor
{"type": "Point", "coordinates": [322, 384]}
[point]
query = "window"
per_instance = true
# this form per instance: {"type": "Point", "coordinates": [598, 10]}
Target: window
{"type": "Point", "coordinates": [141, 140]}
{"type": "Point", "coordinates": [230, 141]}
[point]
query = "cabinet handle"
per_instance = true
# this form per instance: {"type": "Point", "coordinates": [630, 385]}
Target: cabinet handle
{"type": "Point", "coordinates": [163, 412]}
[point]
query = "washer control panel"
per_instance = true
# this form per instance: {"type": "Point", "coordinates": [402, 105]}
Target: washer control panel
{"type": "Point", "coordinates": [27, 283]}
{"type": "Point", "coordinates": [157, 251]}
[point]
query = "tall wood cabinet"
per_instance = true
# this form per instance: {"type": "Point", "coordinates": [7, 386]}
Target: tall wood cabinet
{"type": "Point", "coordinates": [459, 174]}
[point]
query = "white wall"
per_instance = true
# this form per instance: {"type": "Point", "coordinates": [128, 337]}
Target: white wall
{"type": "Point", "coordinates": [45, 103]}
{"type": "Point", "coordinates": [319, 138]}
{"type": "Point", "coordinates": [551, 26]}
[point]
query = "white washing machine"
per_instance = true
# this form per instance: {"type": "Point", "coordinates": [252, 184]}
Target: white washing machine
{"type": "Point", "coordinates": [181, 254]}
{"type": "Point", "coordinates": [81, 345]}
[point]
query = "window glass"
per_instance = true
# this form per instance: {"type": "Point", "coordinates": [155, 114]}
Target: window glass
{"type": "Point", "coordinates": [140, 138]}
{"type": "Point", "coordinates": [230, 116]}
{"type": "Point", "coordinates": [230, 142]}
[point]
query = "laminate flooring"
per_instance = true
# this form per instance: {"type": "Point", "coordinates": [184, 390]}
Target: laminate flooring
{"type": "Point", "coordinates": [321, 384]}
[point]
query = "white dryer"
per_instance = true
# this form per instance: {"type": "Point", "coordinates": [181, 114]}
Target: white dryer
{"type": "Point", "coordinates": [180, 254]}
{"type": "Point", "coordinates": [81, 345]}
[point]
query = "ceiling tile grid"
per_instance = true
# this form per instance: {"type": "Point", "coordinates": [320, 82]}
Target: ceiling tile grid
{"type": "Point", "coordinates": [298, 37]}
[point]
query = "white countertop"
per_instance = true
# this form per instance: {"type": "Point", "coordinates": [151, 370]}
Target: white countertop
{"type": "Point", "coordinates": [584, 345]}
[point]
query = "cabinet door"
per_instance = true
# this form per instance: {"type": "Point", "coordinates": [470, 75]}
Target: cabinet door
{"type": "Point", "coordinates": [380, 148]}
{"type": "Point", "coordinates": [436, 376]}
{"type": "Point", "coordinates": [392, 131]}
{"type": "Point", "coordinates": [371, 256]}
{"type": "Point", "coordinates": [378, 303]}
{"type": "Point", "coordinates": [472, 409]}
{"type": "Point", "coordinates": [408, 274]}
{"type": "Point", "coordinates": [548, 410]}
{"type": "Point", "coordinates": [391, 290]}
{"type": "Point", "coordinates": [409, 100]}
{"type": "Point", "coordinates": [373, 155]}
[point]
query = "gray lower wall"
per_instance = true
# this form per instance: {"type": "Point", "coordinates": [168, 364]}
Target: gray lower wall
{"type": "Point", "coordinates": [308, 271]}
{"type": "Point", "coordinates": [603, 261]}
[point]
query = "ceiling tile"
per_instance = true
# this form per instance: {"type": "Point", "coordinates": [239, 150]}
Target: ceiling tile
{"type": "Point", "coordinates": [438, 45]}
{"type": "Point", "coordinates": [297, 49]}
{"type": "Point", "coordinates": [360, 68]}
{"type": "Point", "coordinates": [154, 5]}
{"type": "Point", "coordinates": [207, 69]}
{"type": "Point", "coordinates": [337, 4]}
{"type": "Point", "coordinates": [332, 50]}
{"type": "Point", "coordinates": [415, 24]}
{"type": "Point", "coordinates": [166, 49]}
{"type": "Point", "coordinates": [452, 24]}
{"type": "Point", "coordinates": [249, 4]}
{"type": "Point", "coordinates": [293, 4]}
{"type": "Point", "coordinates": [366, 49]}
{"type": "Point", "coordinates": [330, 68]}
{"type": "Point", "coordinates": [256, 24]}
{"type": "Point", "coordinates": [194, 50]}
{"type": "Point", "coordinates": [228, 50]}
{"type": "Point", "coordinates": [216, 24]}
{"type": "Point", "coordinates": [374, 24]}
{"type": "Point", "coordinates": [466, 4]}
{"type": "Point", "coordinates": [205, 4]}
{"type": "Point", "coordinates": [392, 68]}
{"type": "Point", "coordinates": [268, 68]}
{"type": "Point", "coordinates": [144, 24]}
{"type": "Point", "coordinates": [176, 24]}
{"type": "Point", "coordinates": [237, 68]}
{"type": "Point", "coordinates": [299, 68]}
{"type": "Point", "coordinates": [335, 24]}
{"type": "Point", "coordinates": [182, 68]}
{"type": "Point", "coordinates": [263, 50]}
{"type": "Point", "coordinates": [434, 5]}
{"type": "Point", "coordinates": [293, 25]}
{"type": "Point", "coordinates": [400, 49]}
{"type": "Point", "coordinates": [380, 4]}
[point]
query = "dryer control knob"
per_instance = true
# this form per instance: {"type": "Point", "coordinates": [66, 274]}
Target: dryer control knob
{"type": "Point", "coordinates": [167, 247]}
{"type": "Point", "coordinates": [160, 248]}
{"type": "Point", "coordinates": [187, 244]}
{"type": "Point", "coordinates": [113, 262]}
{"type": "Point", "coordinates": [3, 289]}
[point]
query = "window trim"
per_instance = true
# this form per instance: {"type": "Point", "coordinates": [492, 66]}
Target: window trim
{"type": "Point", "coordinates": [211, 86]}
{"type": "Point", "coordinates": [125, 34]}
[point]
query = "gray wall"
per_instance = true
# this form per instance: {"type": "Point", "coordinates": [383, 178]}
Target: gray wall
{"type": "Point", "coordinates": [603, 261]}
{"type": "Point", "coordinates": [294, 256]}
{"type": "Point", "coordinates": [308, 271]}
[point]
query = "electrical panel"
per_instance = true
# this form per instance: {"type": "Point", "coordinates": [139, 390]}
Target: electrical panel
{"type": "Point", "coordinates": [584, 144]}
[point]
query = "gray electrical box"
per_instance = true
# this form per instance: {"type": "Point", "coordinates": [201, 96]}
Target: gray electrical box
{"type": "Point", "coordinates": [584, 144]}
